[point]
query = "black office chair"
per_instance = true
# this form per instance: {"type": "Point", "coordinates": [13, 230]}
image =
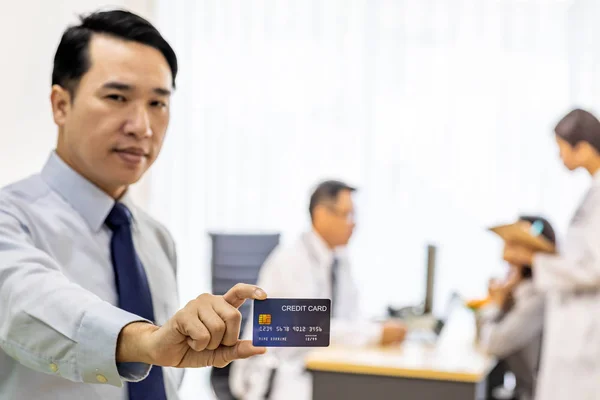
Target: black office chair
{"type": "Point", "coordinates": [236, 258]}
{"type": "Point", "coordinates": [495, 383]}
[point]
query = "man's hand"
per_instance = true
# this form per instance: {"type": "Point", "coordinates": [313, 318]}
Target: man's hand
{"type": "Point", "coordinates": [203, 333]}
{"type": "Point", "coordinates": [517, 254]}
{"type": "Point", "coordinates": [393, 332]}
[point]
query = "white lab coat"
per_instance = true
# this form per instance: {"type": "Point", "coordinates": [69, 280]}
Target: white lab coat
{"type": "Point", "coordinates": [570, 366]}
{"type": "Point", "coordinates": [301, 271]}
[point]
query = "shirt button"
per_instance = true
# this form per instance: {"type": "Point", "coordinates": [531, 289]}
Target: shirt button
{"type": "Point", "coordinates": [54, 367]}
{"type": "Point", "coordinates": [101, 378]}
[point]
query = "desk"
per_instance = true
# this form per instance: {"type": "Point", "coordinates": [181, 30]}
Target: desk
{"type": "Point", "coordinates": [410, 371]}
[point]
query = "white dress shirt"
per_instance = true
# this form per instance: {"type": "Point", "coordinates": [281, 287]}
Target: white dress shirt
{"type": "Point", "coordinates": [302, 271]}
{"type": "Point", "coordinates": [59, 322]}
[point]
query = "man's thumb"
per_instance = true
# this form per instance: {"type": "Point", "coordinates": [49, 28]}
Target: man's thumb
{"type": "Point", "coordinates": [242, 349]}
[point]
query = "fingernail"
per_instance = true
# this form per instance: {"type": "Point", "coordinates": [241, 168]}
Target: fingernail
{"type": "Point", "coordinates": [259, 293]}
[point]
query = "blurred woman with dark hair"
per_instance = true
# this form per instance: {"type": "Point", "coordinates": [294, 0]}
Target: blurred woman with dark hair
{"type": "Point", "coordinates": [570, 279]}
{"type": "Point", "coordinates": [513, 320]}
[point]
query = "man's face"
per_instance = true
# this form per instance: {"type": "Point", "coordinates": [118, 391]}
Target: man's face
{"type": "Point", "coordinates": [113, 129]}
{"type": "Point", "coordinates": [338, 219]}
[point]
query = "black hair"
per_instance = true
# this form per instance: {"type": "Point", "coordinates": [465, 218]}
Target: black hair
{"type": "Point", "coordinates": [327, 191]}
{"type": "Point", "coordinates": [72, 59]}
{"type": "Point", "coordinates": [547, 231]}
{"type": "Point", "coordinates": [579, 126]}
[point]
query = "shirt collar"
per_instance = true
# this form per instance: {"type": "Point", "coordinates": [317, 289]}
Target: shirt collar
{"type": "Point", "coordinates": [596, 178]}
{"type": "Point", "coordinates": [322, 251]}
{"type": "Point", "coordinates": [86, 198]}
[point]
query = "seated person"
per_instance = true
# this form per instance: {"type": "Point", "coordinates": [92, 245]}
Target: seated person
{"type": "Point", "coordinates": [513, 320]}
{"type": "Point", "coordinates": [313, 267]}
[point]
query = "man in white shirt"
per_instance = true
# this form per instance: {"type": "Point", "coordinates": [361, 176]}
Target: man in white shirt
{"type": "Point", "coordinates": [88, 288]}
{"type": "Point", "coordinates": [315, 266]}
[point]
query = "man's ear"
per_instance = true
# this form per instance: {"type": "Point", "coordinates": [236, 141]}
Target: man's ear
{"type": "Point", "coordinates": [319, 212]}
{"type": "Point", "coordinates": [60, 98]}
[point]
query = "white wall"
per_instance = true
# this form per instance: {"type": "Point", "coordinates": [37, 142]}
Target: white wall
{"type": "Point", "coordinates": [29, 34]}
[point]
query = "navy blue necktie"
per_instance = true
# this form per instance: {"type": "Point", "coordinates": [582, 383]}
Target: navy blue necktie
{"type": "Point", "coordinates": [134, 293]}
{"type": "Point", "coordinates": [334, 277]}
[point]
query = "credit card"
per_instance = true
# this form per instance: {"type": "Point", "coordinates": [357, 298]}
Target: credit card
{"type": "Point", "coordinates": [291, 322]}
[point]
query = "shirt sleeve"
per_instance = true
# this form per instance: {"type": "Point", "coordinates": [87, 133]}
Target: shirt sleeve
{"type": "Point", "coordinates": [578, 265]}
{"type": "Point", "coordinates": [357, 332]}
{"type": "Point", "coordinates": [52, 325]}
{"type": "Point", "coordinates": [503, 336]}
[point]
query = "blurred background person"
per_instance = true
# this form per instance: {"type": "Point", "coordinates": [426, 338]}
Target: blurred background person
{"type": "Point", "coordinates": [512, 323]}
{"type": "Point", "coordinates": [315, 266]}
{"type": "Point", "coordinates": [571, 278]}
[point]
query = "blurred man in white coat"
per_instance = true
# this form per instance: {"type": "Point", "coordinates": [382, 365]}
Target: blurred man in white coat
{"type": "Point", "coordinates": [313, 267]}
{"type": "Point", "coordinates": [570, 366]}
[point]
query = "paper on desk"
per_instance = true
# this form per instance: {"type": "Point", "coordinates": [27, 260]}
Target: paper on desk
{"type": "Point", "coordinates": [519, 234]}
